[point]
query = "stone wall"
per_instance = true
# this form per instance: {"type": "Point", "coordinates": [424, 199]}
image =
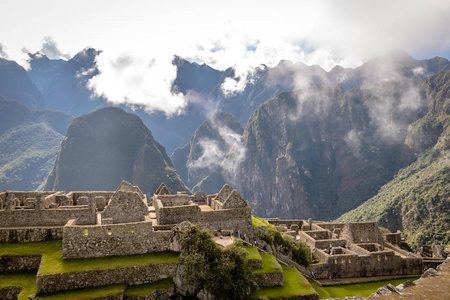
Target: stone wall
{"type": "Point", "coordinates": [394, 238]}
{"type": "Point", "coordinates": [50, 283]}
{"type": "Point", "coordinates": [47, 217]}
{"type": "Point", "coordinates": [175, 200]}
{"type": "Point", "coordinates": [30, 234]}
{"type": "Point", "coordinates": [125, 207]}
{"type": "Point", "coordinates": [9, 293]}
{"type": "Point", "coordinates": [177, 214]}
{"type": "Point", "coordinates": [237, 219]}
{"type": "Point", "coordinates": [362, 232]}
{"type": "Point", "coordinates": [269, 279]}
{"type": "Point", "coordinates": [19, 263]}
{"type": "Point", "coordinates": [113, 240]}
{"type": "Point", "coordinates": [382, 263]}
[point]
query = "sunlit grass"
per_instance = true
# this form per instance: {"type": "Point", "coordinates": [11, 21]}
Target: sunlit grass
{"type": "Point", "coordinates": [53, 263]}
{"type": "Point", "coordinates": [360, 289]}
{"type": "Point", "coordinates": [87, 293]}
{"type": "Point", "coordinates": [294, 285]}
{"type": "Point", "coordinates": [26, 281]}
{"type": "Point", "coordinates": [253, 253]}
{"type": "Point", "coordinates": [269, 265]}
{"type": "Point", "coordinates": [145, 289]}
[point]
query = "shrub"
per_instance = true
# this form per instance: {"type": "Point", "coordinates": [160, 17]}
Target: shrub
{"type": "Point", "coordinates": [223, 273]}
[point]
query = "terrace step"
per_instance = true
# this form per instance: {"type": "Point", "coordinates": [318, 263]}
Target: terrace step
{"type": "Point", "coordinates": [271, 273]}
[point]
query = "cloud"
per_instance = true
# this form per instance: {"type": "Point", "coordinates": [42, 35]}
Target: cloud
{"type": "Point", "coordinates": [3, 54]}
{"type": "Point", "coordinates": [214, 150]}
{"type": "Point", "coordinates": [138, 81]}
{"type": "Point", "coordinates": [224, 34]}
{"type": "Point", "coordinates": [50, 49]}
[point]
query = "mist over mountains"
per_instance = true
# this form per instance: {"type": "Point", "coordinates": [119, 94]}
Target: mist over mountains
{"type": "Point", "coordinates": [297, 141]}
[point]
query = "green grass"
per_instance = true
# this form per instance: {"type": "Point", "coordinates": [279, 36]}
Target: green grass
{"type": "Point", "coordinates": [26, 281]}
{"type": "Point", "coordinates": [323, 294]}
{"type": "Point", "coordinates": [85, 294]}
{"type": "Point", "coordinates": [269, 265]}
{"type": "Point", "coordinates": [53, 263]}
{"type": "Point", "coordinates": [253, 253]}
{"type": "Point", "coordinates": [258, 221]}
{"type": "Point", "coordinates": [360, 289]}
{"type": "Point", "coordinates": [145, 289]}
{"type": "Point", "coordinates": [294, 285]}
{"type": "Point", "coordinates": [38, 248]}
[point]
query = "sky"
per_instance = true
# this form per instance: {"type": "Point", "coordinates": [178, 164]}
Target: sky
{"type": "Point", "coordinates": [140, 38]}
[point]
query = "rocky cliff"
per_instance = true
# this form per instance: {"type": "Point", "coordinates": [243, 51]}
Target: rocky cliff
{"type": "Point", "coordinates": [320, 151]}
{"type": "Point", "coordinates": [107, 146]}
{"type": "Point", "coordinates": [211, 142]}
{"type": "Point", "coordinates": [417, 200]}
{"type": "Point", "coordinates": [29, 143]}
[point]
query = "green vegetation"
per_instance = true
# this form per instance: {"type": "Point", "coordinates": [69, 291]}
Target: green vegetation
{"type": "Point", "coordinates": [269, 265]}
{"type": "Point", "coordinates": [221, 272]}
{"type": "Point", "coordinates": [259, 222]}
{"type": "Point", "coordinates": [86, 294]}
{"type": "Point", "coordinates": [253, 253]}
{"type": "Point", "coordinates": [145, 289]}
{"type": "Point", "coordinates": [359, 289]}
{"type": "Point", "coordinates": [416, 200]}
{"type": "Point", "coordinates": [294, 285]}
{"type": "Point", "coordinates": [26, 281]}
{"type": "Point", "coordinates": [52, 261]}
{"type": "Point", "coordinates": [299, 251]}
{"type": "Point", "coordinates": [323, 294]}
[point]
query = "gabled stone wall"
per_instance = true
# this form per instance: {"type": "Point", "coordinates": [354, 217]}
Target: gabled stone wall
{"type": "Point", "coordinates": [113, 240]}
{"type": "Point", "coordinates": [125, 207]}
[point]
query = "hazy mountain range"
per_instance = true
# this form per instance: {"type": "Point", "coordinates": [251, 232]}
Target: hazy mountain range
{"type": "Point", "coordinates": [297, 142]}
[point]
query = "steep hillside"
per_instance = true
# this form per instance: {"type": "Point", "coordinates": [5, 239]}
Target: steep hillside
{"type": "Point", "coordinates": [207, 148]}
{"type": "Point", "coordinates": [29, 143]}
{"type": "Point", "coordinates": [266, 83]}
{"type": "Point", "coordinates": [15, 84]}
{"type": "Point", "coordinates": [64, 84]}
{"type": "Point", "coordinates": [319, 152]}
{"type": "Point", "coordinates": [417, 200]}
{"type": "Point", "coordinates": [107, 146]}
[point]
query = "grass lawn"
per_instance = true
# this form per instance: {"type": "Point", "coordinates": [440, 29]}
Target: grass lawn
{"type": "Point", "coordinates": [258, 221]}
{"type": "Point", "coordinates": [361, 289]}
{"type": "Point", "coordinates": [253, 253]}
{"type": "Point", "coordinates": [30, 248]}
{"type": "Point", "coordinates": [269, 265]}
{"type": "Point", "coordinates": [26, 281]}
{"type": "Point", "coordinates": [53, 263]}
{"type": "Point", "coordinates": [145, 289]}
{"type": "Point", "coordinates": [86, 294]}
{"type": "Point", "coordinates": [323, 294]}
{"type": "Point", "coordinates": [294, 285]}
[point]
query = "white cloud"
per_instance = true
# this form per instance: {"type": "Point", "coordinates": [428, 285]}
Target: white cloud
{"type": "Point", "coordinates": [138, 80]}
{"type": "Point", "coordinates": [50, 49]}
{"type": "Point", "coordinates": [3, 54]}
{"type": "Point", "coordinates": [223, 34]}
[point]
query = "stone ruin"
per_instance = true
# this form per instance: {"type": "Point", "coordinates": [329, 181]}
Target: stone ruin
{"type": "Point", "coordinates": [125, 222]}
{"type": "Point", "coordinates": [97, 224]}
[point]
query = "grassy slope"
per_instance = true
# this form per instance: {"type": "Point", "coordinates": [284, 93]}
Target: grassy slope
{"type": "Point", "coordinates": [269, 265]}
{"type": "Point", "coordinates": [145, 289]}
{"type": "Point", "coordinates": [253, 253]}
{"type": "Point", "coordinates": [417, 200]}
{"type": "Point", "coordinates": [294, 285]}
{"type": "Point", "coordinates": [26, 280]}
{"type": "Point", "coordinates": [52, 261]}
{"type": "Point", "coordinates": [86, 294]}
{"type": "Point", "coordinates": [360, 289]}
